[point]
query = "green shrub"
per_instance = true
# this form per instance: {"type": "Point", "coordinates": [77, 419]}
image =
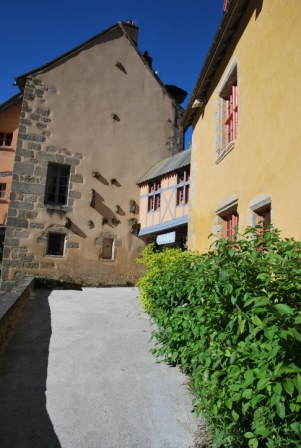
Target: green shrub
{"type": "Point", "coordinates": [232, 319]}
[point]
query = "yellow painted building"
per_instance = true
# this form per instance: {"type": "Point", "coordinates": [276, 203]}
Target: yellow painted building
{"type": "Point", "coordinates": [245, 110]}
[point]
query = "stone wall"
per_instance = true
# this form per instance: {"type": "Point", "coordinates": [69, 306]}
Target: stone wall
{"type": "Point", "coordinates": [29, 180]}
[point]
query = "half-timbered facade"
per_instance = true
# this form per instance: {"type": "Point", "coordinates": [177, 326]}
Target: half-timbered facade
{"type": "Point", "coordinates": [164, 197]}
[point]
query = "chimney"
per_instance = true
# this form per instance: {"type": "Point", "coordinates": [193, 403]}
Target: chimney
{"type": "Point", "coordinates": [148, 59]}
{"type": "Point", "coordinates": [132, 30]}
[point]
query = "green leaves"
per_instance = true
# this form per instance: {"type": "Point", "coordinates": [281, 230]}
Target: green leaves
{"type": "Point", "coordinates": [282, 308]}
{"type": "Point", "coordinates": [232, 319]}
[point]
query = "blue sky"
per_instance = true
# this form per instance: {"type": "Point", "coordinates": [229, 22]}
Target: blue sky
{"type": "Point", "coordinates": [176, 34]}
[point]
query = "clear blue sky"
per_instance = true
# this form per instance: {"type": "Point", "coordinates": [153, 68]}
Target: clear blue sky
{"type": "Point", "coordinates": [176, 34]}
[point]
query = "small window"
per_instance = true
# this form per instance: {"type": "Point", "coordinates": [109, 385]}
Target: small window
{"type": "Point", "coordinates": [57, 184]}
{"type": "Point", "coordinates": [107, 249]}
{"type": "Point", "coordinates": [56, 243]}
{"type": "Point", "coordinates": [154, 196]}
{"type": "Point", "coordinates": [2, 191]}
{"type": "Point", "coordinates": [230, 225]}
{"type": "Point", "coordinates": [6, 138]}
{"type": "Point", "coordinates": [183, 180]}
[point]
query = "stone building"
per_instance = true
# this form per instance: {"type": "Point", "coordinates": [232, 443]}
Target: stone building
{"type": "Point", "coordinates": [9, 124]}
{"type": "Point", "coordinates": [92, 122]}
{"type": "Point", "coordinates": [245, 109]}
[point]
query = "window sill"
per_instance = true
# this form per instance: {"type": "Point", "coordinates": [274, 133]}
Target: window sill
{"type": "Point", "coordinates": [57, 207]}
{"type": "Point", "coordinates": [105, 260]}
{"type": "Point", "coordinates": [54, 256]}
{"type": "Point", "coordinates": [225, 151]}
{"type": "Point", "coordinates": [6, 148]}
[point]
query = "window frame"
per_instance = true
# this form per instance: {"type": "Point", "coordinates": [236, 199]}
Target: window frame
{"type": "Point", "coordinates": [4, 138]}
{"type": "Point", "coordinates": [3, 191]}
{"type": "Point", "coordinates": [231, 222]}
{"type": "Point", "coordinates": [261, 217]}
{"type": "Point", "coordinates": [62, 243]}
{"type": "Point", "coordinates": [231, 111]}
{"type": "Point", "coordinates": [154, 196]}
{"type": "Point", "coordinates": [227, 114]}
{"type": "Point", "coordinates": [183, 187]}
{"type": "Point", "coordinates": [226, 4]}
{"type": "Point", "coordinates": [57, 184]}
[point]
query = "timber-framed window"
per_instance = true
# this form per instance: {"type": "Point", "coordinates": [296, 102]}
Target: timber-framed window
{"type": "Point", "coordinates": [183, 187]}
{"type": "Point", "coordinates": [154, 196]}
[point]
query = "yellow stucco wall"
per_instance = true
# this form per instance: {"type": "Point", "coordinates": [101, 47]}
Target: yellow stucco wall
{"type": "Point", "coordinates": [266, 159]}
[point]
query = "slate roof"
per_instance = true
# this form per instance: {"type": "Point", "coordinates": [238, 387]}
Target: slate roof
{"type": "Point", "coordinates": [166, 166]}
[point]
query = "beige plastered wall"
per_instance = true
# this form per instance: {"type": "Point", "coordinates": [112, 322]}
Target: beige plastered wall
{"type": "Point", "coordinates": [266, 158]}
{"type": "Point", "coordinates": [78, 97]}
{"type": "Point", "coordinates": [9, 122]}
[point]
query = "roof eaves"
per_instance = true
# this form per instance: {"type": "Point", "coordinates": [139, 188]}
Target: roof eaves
{"type": "Point", "coordinates": [220, 42]}
{"type": "Point", "coordinates": [166, 166]}
{"type": "Point", "coordinates": [11, 101]}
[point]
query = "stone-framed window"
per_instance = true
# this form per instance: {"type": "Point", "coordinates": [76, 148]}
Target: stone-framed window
{"type": "Point", "coordinates": [107, 252]}
{"type": "Point", "coordinates": [227, 218]}
{"type": "Point", "coordinates": [57, 182]}
{"type": "Point", "coordinates": [108, 243]}
{"type": "Point", "coordinates": [2, 191]}
{"type": "Point", "coordinates": [261, 208]}
{"type": "Point", "coordinates": [55, 244]}
{"type": "Point", "coordinates": [230, 225]}
{"type": "Point", "coordinates": [227, 113]}
{"type": "Point", "coordinates": [6, 139]}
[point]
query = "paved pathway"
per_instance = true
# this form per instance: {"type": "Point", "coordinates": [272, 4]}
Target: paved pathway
{"type": "Point", "coordinates": [77, 373]}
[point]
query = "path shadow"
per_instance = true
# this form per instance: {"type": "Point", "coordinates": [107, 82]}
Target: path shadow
{"type": "Point", "coordinates": [24, 420]}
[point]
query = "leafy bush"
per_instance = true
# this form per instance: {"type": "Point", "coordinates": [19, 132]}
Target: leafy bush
{"type": "Point", "coordinates": [232, 319]}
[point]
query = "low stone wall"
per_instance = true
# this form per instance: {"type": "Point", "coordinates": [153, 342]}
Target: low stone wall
{"type": "Point", "coordinates": [12, 303]}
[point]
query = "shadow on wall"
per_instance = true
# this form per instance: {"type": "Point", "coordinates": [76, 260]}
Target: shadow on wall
{"type": "Point", "coordinates": [24, 420]}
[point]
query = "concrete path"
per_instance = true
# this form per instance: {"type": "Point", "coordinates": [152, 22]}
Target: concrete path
{"type": "Point", "coordinates": [77, 373]}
